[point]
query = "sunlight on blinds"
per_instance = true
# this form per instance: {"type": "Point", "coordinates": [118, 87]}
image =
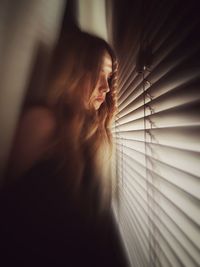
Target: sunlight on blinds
{"type": "Point", "coordinates": [157, 135]}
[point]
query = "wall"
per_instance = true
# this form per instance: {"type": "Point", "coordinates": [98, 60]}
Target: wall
{"type": "Point", "coordinates": [28, 29]}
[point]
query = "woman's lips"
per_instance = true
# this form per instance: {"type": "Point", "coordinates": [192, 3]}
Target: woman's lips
{"type": "Point", "coordinates": [100, 99]}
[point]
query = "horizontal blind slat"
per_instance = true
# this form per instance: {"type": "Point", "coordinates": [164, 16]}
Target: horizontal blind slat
{"type": "Point", "coordinates": [156, 102]}
{"type": "Point", "coordinates": [168, 83]}
{"type": "Point", "coordinates": [159, 210]}
{"type": "Point", "coordinates": [186, 138]}
{"type": "Point", "coordinates": [167, 237]}
{"type": "Point", "coordinates": [175, 194]}
{"type": "Point", "coordinates": [178, 178]}
{"type": "Point", "coordinates": [187, 162]}
{"type": "Point", "coordinates": [170, 62]}
{"type": "Point", "coordinates": [185, 115]}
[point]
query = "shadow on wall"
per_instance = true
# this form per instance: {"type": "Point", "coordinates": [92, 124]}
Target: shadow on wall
{"type": "Point", "coordinates": [24, 25]}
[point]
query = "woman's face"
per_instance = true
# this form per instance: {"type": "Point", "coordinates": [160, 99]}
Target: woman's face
{"type": "Point", "coordinates": [102, 87]}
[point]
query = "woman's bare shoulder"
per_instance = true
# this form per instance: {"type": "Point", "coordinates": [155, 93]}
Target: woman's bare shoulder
{"type": "Point", "coordinates": [33, 136]}
{"type": "Point", "coordinates": [39, 118]}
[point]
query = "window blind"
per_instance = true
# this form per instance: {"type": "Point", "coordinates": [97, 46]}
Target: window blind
{"type": "Point", "coordinates": [157, 134]}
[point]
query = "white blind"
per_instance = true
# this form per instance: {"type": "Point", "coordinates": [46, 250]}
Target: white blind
{"type": "Point", "coordinates": [157, 133]}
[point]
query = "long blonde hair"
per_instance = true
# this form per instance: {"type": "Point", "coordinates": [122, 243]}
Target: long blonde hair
{"type": "Point", "coordinates": [82, 133]}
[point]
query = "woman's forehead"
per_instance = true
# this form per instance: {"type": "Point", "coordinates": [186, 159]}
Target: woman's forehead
{"type": "Point", "coordinates": [107, 62]}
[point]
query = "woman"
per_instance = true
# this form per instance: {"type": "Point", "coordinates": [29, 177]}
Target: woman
{"type": "Point", "coordinates": [58, 175]}
{"type": "Point", "coordinates": [71, 127]}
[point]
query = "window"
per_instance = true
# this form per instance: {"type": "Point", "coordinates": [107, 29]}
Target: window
{"type": "Point", "coordinates": [157, 133]}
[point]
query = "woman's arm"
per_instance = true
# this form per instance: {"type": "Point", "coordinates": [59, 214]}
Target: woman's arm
{"type": "Point", "coordinates": [34, 134]}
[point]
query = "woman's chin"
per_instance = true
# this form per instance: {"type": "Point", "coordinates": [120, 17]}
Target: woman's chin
{"type": "Point", "coordinates": [97, 105]}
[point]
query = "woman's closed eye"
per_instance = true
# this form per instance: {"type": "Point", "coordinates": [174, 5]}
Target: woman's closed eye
{"type": "Point", "coordinates": [109, 79]}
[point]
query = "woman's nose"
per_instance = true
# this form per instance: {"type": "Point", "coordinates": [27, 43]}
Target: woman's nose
{"type": "Point", "coordinates": [104, 87]}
